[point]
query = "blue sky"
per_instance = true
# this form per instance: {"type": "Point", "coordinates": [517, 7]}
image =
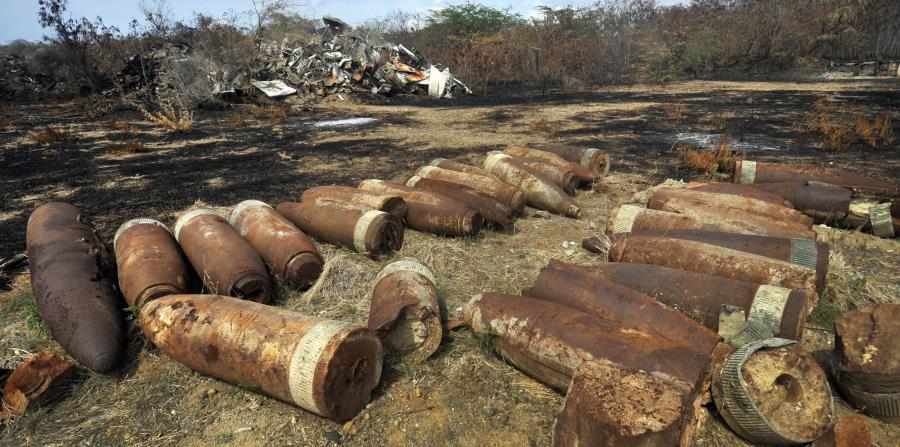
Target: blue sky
{"type": "Point", "coordinates": [18, 19]}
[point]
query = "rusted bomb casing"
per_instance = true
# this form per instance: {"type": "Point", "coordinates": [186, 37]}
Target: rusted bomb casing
{"type": "Point", "coordinates": [493, 210]}
{"type": "Point", "coordinates": [850, 430]}
{"type": "Point", "coordinates": [327, 367]}
{"type": "Point", "coordinates": [150, 262]}
{"type": "Point", "coordinates": [34, 383]}
{"type": "Point", "coordinates": [753, 172]}
{"type": "Point", "coordinates": [404, 311]}
{"type": "Point", "coordinates": [804, 252]}
{"type": "Point", "coordinates": [867, 359]}
{"type": "Point", "coordinates": [735, 189]}
{"type": "Point", "coordinates": [701, 297]}
{"type": "Point", "coordinates": [509, 195]}
{"type": "Point", "coordinates": [370, 232]}
{"type": "Point", "coordinates": [540, 192]}
{"type": "Point", "coordinates": [285, 248]}
{"type": "Point", "coordinates": [565, 179]}
{"type": "Point", "coordinates": [736, 220]}
{"type": "Point", "coordinates": [430, 212]}
{"type": "Point", "coordinates": [226, 263]}
{"type": "Point", "coordinates": [766, 210]}
{"type": "Point", "coordinates": [390, 204]}
{"type": "Point", "coordinates": [581, 173]}
{"type": "Point", "coordinates": [821, 201]}
{"type": "Point", "coordinates": [451, 165]}
{"type": "Point", "coordinates": [72, 280]}
{"type": "Point", "coordinates": [698, 257]}
{"type": "Point", "coordinates": [596, 160]}
{"type": "Point", "coordinates": [631, 218]}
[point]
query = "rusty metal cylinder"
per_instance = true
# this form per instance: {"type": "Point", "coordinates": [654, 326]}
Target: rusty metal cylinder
{"type": "Point", "coordinates": [404, 311]}
{"type": "Point", "coordinates": [565, 179]}
{"type": "Point", "coordinates": [581, 173]}
{"type": "Point", "coordinates": [805, 252]}
{"type": "Point", "coordinates": [730, 203]}
{"type": "Point", "coordinates": [596, 160]}
{"type": "Point", "coordinates": [823, 202]}
{"type": "Point", "coordinates": [388, 203]}
{"type": "Point", "coordinates": [740, 190]}
{"type": "Point", "coordinates": [509, 195]}
{"type": "Point", "coordinates": [226, 263]}
{"type": "Point", "coordinates": [430, 212]}
{"type": "Point", "coordinates": [540, 192]}
{"type": "Point", "coordinates": [370, 232]}
{"type": "Point", "coordinates": [451, 165]}
{"type": "Point", "coordinates": [710, 259]}
{"type": "Point", "coordinates": [327, 367]}
{"type": "Point", "coordinates": [72, 281]}
{"type": "Point", "coordinates": [150, 262]}
{"type": "Point", "coordinates": [631, 218]}
{"type": "Point", "coordinates": [289, 252]}
{"type": "Point", "coordinates": [491, 209]}
{"type": "Point", "coordinates": [748, 172]}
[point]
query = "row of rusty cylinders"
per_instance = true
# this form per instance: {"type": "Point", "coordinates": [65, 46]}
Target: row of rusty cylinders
{"type": "Point", "coordinates": [704, 300]}
{"type": "Point", "coordinates": [327, 367]}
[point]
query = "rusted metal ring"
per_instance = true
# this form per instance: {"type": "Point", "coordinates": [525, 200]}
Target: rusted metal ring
{"type": "Point", "coordinates": [880, 219]}
{"type": "Point", "coordinates": [804, 252]}
{"type": "Point", "coordinates": [138, 221]}
{"type": "Point", "coordinates": [748, 172]}
{"type": "Point", "coordinates": [436, 161]}
{"type": "Point", "coordinates": [625, 218]}
{"type": "Point", "coordinates": [587, 157]}
{"type": "Point", "coordinates": [764, 320]}
{"type": "Point", "coordinates": [493, 158]}
{"type": "Point", "coordinates": [186, 217]}
{"type": "Point", "coordinates": [411, 265]}
{"type": "Point", "coordinates": [362, 228]}
{"type": "Point", "coordinates": [305, 360]}
{"type": "Point", "coordinates": [243, 206]}
{"type": "Point", "coordinates": [413, 181]}
{"type": "Point", "coordinates": [874, 404]}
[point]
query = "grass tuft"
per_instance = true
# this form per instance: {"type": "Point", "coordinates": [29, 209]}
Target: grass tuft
{"type": "Point", "coordinates": [52, 134]}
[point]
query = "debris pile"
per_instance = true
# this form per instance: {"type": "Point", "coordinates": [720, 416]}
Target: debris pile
{"type": "Point", "coordinates": [17, 82]}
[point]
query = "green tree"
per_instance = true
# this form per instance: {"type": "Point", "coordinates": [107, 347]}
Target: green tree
{"type": "Point", "coordinates": [472, 18]}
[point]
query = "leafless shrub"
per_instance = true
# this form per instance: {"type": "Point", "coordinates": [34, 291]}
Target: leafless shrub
{"type": "Point", "coordinates": [52, 134]}
{"type": "Point", "coordinates": [839, 128]}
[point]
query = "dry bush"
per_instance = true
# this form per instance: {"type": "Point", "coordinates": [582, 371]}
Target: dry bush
{"type": "Point", "coordinates": [710, 161]}
{"type": "Point", "coordinates": [171, 115]}
{"type": "Point", "coordinates": [544, 126]}
{"type": "Point", "coordinates": [274, 114]}
{"type": "Point", "coordinates": [130, 147]}
{"type": "Point", "coordinates": [237, 121]}
{"type": "Point", "coordinates": [52, 134]}
{"type": "Point", "coordinates": [839, 128]}
{"type": "Point", "coordinates": [125, 128]}
{"type": "Point", "coordinates": [675, 111]}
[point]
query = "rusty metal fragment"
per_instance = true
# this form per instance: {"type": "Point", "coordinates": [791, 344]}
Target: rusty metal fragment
{"type": "Point", "coordinates": [72, 279]}
{"type": "Point", "coordinates": [540, 192]}
{"type": "Point", "coordinates": [150, 262]}
{"type": "Point", "coordinates": [34, 383]}
{"type": "Point", "coordinates": [508, 195]}
{"type": "Point", "coordinates": [327, 367]}
{"type": "Point", "coordinates": [752, 172]}
{"type": "Point", "coordinates": [582, 174]}
{"type": "Point", "coordinates": [596, 160]}
{"type": "Point", "coordinates": [285, 248]}
{"type": "Point", "coordinates": [370, 232]}
{"type": "Point", "coordinates": [431, 212]}
{"type": "Point", "coordinates": [850, 430]}
{"type": "Point", "coordinates": [404, 311]}
{"type": "Point", "coordinates": [226, 263]}
{"type": "Point", "coordinates": [867, 359]}
{"type": "Point", "coordinates": [777, 396]}
{"type": "Point", "coordinates": [494, 211]}
{"type": "Point", "coordinates": [388, 203]}
{"type": "Point", "coordinates": [730, 204]}
{"type": "Point", "coordinates": [824, 202]}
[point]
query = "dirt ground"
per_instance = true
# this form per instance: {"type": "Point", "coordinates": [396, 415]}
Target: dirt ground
{"type": "Point", "coordinates": [462, 396]}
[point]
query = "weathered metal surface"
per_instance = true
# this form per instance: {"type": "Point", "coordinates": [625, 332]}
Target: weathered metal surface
{"type": "Point", "coordinates": [880, 220]}
{"type": "Point", "coordinates": [752, 172]}
{"type": "Point", "coordinates": [451, 165]}
{"type": "Point", "coordinates": [540, 192]}
{"type": "Point", "coordinates": [226, 263]}
{"type": "Point", "coordinates": [824, 202]}
{"type": "Point", "coordinates": [430, 212]}
{"type": "Point", "coordinates": [867, 359]}
{"type": "Point", "coordinates": [404, 311]}
{"type": "Point", "coordinates": [370, 232]}
{"type": "Point", "coordinates": [388, 203]}
{"type": "Point", "coordinates": [150, 262]}
{"type": "Point", "coordinates": [324, 366]}
{"type": "Point", "coordinates": [565, 179]}
{"type": "Point", "coordinates": [582, 174]}
{"type": "Point", "coordinates": [35, 382]}
{"type": "Point", "coordinates": [850, 430]}
{"type": "Point", "coordinates": [727, 203]}
{"type": "Point", "coordinates": [773, 396]}
{"type": "Point", "coordinates": [805, 252]}
{"type": "Point", "coordinates": [508, 195]}
{"type": "Point", "coordinates": [596, 160]}
{"type": "Point", "coordinates": [710, 259]}
{"type": "Point", "coordinates": [628, 218]}
{"type": "Point", "coordinates": [493, 210]}
{"type": "Point", "coordinates": [740, 190]}
{"type": "Point", "coordinates": [700, 296]}
{"type": "Point", "coordinates": [72, 279]}
{"type": "Point", "coordinates": [285, 248]}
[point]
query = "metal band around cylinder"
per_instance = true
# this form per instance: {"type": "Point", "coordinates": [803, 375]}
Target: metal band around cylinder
{"type": "Point", "coordinates": [243, 206]}
{"type": "Point", "coordinates": [748, 172]}
{"type": "Point", "coordinates": [804, 252]}
{"type": "Point", "coordinates": [413, 181]}
{"type": "Point", "coordinates": [586, 158]}
{"type": "Point", "coordinates": [737, 402]}
{"type": "Point", "coordinates": [492, 159]}
{"type": "Point", "coordinates": [302, 372]}
{"type": "Point", "coordinates": [873, 404]}
{"type": "Point", "coordinates": [362, 228]}
{"type": "Point", "coordinates": [186, 217]}
{"type": "Point", "coordinates": [764, 320]}
{"type": "Point", "coordinates": [138, 221]}
{"type": "Point", "coordinates": [625, 218]}
{"type": "Point", "coordinates": [411, 265]}
{"type": "Point", "coordinates": [880, 218]}
{"type": "Point", "coordinates": [436, 161]}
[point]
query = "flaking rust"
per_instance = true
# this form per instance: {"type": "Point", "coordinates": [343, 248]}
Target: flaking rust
{"type": "Point", "coordinates": [580, 173]}
{"type": "Point", "coordinates": [34, 383]}
{"type": "Point", "coordinates": [404, 311]}
{"type": "Point", "coordinates": [821, 201]}
{"type": "Point", "coordinates": [226, 263]}
{"type": "Point", "coordinates": [285, 248]}
{"type": "Point", "coordinates": [451, 165]}
{"type": "Point", "coordinates": [564, 179]}
{"type": "Point", "coordinates": [370, 232]}
{"type": "Point", "coordinates": [431, 212]}
{"type": "Point", "coordinates": [72, 279]}
{"type": "Point", "coordinates": [728, 203]}
{"type": "Point", "coordinates": [597, 160]}
{"type": "Point", "coordinates": [540, 192]}
{"type": "Point", "coordinates": [324, 366]}
{"type": "Point", "coordinates": [752, 172]}
{"type": "Point", "coordinates": [494, 211]}
{"type": "Point", "coordinates": [389, 203]}
{"type": "Point", "coordinates": [150, 262]}
{"type": "Point", "coordinates": [507, 194]}
{"type": "Point", "coordinates": [740, 190]}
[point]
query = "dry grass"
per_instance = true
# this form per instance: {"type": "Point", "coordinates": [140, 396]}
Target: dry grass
{"type": "Point", "coordinates": [172, 115]}
{"type": "Point", "coordinates": [125, 128]}
{"type": "Point", "coordinates": [544, 126]}
{"type": "Point", "coordinates": [675, 111]}
{"type": "Point", "coordinates": [839, 129]}
{"type": "Point", "coordinates": [52, 134]}
{"type": "Point", "coordinates": [710, 161]}
{"type": "Point", "coordinates": [129, 147]}
{"type": "Point", "coordinates": [273, 114]}
{"type": "Point", "coordinates": [237, 121]}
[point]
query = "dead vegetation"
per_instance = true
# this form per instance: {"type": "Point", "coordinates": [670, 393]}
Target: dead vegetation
{"type": "Point", "coordinates": [839, 128]}
{"type": "Point", "coordinates": [544, 126]}
{"type": "Point", "coordinates": [51, 135]}
{"type": "Point", "coordinates": [675, 112]}
{"type": "Point", "coordinates": [170, 114]}
{"type": "Point", "coordinates": [710, 161]}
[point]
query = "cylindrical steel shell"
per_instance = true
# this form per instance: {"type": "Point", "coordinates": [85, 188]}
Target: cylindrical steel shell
{"type": "Point", "coordinates": [150, 262]}
{"type": "Point", "coordinates": [740, 190]}
{"type": "Point", "coordinates": [370, 232]}
{"type": "Point", "coordinates": [285, 248]}
{"type": "Point", "coordinates": [565, 179]}
{"type": "Point", "coordinates": [581, 173]}
{"type": "Point", "coordinates": [430, 212]}
{"type": "Point", "coordinates": [71, 277]}
{"type": "Point", "coordinates": [752, 172]}
{"type": "Point", "coordinates": [509, 195]}
{"type": "Point", "coordinates": [727, 203]}
{"type": "Point", "coordinates": [324, 366]}
{"type": "Point", "coordinates": [493, 210]}
{"type": "Point", "coordinates": [226, 263]}
{"type": "Point", "coordinates": [596, 160]}
{"type": "Point", "coordinates": [451, 165]}
{"type": "Point", "coordinates": [540, 192]}
{"type": "Point", "coordinates": [824, 202]}
{"type": "Point", "coordinates": [388, 203]}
